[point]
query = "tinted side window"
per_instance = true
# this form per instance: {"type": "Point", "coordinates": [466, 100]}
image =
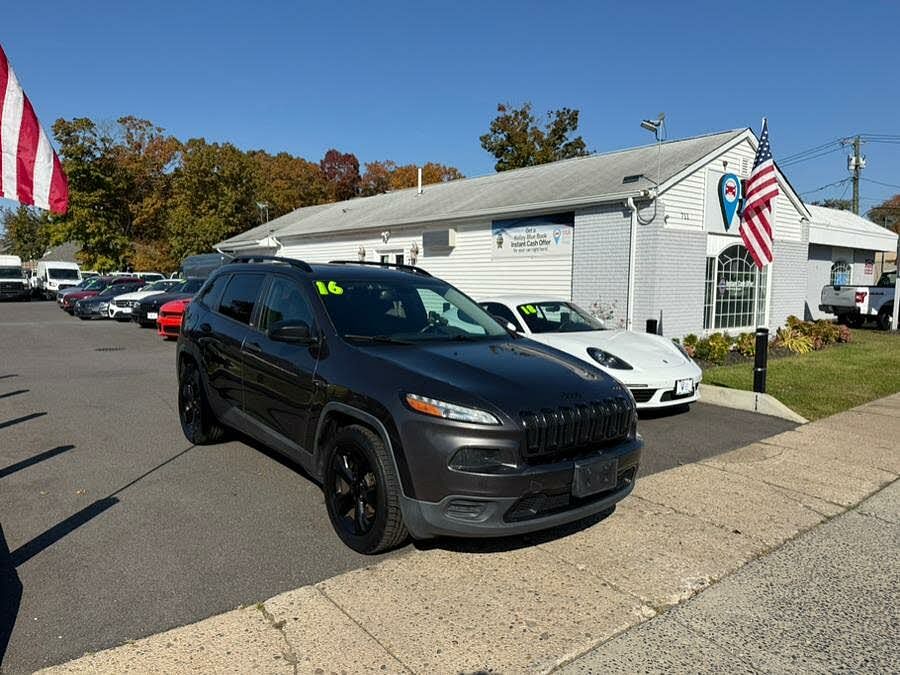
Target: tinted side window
{"type": "Point", "coordinates": [240, 296]}
{"type": "Point", "coordinates": [284, 303]}
{"type": "Point", "coordinates": [212, 293]}
{"type": "Point", "coordinates": [496, 309]}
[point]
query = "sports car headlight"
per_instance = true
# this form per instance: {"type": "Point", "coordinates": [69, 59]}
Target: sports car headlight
{"type": "Point", "coordinates": [449, 411]}
{"type": "Point", "coordinates": [608, 360]}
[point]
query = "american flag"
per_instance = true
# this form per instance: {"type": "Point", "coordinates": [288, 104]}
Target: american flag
{"type": "Point", "coordinates": [30, 172]}
{"type": "Point", "coordinates": [762, 188]}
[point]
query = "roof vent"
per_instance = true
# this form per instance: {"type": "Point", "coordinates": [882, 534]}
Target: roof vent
{"type": "Point", "coordinates": [633, 178]}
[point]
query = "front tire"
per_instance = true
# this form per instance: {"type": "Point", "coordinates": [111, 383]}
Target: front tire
{"type": "Point", "coordinates": [885, 317]}
{"type": "Point", "coordinates": [198, 422]}
{"type": "Point", "coordinates": [362, 491]}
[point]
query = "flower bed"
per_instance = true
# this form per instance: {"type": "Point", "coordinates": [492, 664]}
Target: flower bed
{"type": "Point", "coordinates": [795, 337]}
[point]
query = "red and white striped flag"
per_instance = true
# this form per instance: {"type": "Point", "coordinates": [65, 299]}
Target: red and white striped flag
{"type": "Point", "coordinates": [761, 189]}
{"type": "Point", "coordinates": [30, 172]}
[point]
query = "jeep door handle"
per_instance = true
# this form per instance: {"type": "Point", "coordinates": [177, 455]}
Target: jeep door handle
{"type": "Point", "coordinates": [253, 347]}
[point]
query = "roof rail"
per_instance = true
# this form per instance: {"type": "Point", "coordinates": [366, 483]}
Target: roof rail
{"type": "Point", "coordinates": [399, 266]}
{"type": "Point", "coordinates": [299, 264]}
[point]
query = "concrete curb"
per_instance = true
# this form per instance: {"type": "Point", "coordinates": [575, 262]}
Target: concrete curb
{"type": "Point", "coordinates": [764, 404]}
{"type": "Point", "coordinates": [471, 606]}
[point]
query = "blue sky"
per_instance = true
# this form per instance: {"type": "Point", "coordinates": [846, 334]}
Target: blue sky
{"type": "Point", "coordinates": [420, 81]}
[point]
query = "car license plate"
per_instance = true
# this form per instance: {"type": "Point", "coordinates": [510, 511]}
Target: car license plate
{"type": "Point", "coordinates": [151, 315]}
{"type": "Point", "coordinates": [593, 476]}
{"type": "Point", "coordinates": [683, 387]}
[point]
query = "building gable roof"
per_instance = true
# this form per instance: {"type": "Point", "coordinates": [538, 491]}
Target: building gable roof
{"type": "Point", "coordinates": [567, 183]}
{"type": "Point", "coordinates": [836, 227]}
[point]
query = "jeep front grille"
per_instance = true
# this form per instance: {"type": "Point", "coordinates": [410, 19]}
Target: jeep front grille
{"type": "Point", "coordinates": [550, 431]}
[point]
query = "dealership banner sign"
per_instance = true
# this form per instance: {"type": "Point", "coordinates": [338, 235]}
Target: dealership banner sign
{"type": "Point", "coordinates": [536, 237]}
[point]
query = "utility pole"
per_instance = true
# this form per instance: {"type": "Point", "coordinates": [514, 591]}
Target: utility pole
{"type": "Point", "coordinates": [856, 163]}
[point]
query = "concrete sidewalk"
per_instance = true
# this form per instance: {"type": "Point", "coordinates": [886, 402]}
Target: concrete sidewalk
{"type": "Point", "coordinates": [825, 602]}
{"type": "Point", "coordinates": [538, 604]}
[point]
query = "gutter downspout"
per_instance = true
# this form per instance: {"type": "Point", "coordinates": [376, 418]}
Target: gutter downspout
{"type": "Point", "coordinates": [632, 256]}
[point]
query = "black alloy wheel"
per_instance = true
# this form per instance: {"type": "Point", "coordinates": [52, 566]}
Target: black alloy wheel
{"type": "Point", "coordinates": [354, 492]}
{"type": "Point", "coordinates": [362, 491]}
{"type": "Point", "coordinates": [197, 421]}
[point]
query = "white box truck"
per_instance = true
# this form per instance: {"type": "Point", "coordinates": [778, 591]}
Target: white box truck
{"type": "Point", "coordinates": [53, 276]}
{"type": "Point", "coordinates": [13, 285]}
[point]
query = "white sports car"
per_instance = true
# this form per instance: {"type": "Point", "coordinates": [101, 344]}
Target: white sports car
{"type": "Point", "coordinates": [656, 370]}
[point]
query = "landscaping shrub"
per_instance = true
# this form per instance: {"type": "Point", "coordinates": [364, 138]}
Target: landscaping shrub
{"type": "Point", "coordinates": [796, 336]}
{"type": "Point", "coordinates": [794, 340]}
{"type": "Point", "coordinates": [746, 344]}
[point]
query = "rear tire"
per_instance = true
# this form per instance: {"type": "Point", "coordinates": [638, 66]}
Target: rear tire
{"type": "Point", "coordinates": [198, 422]}
{"type": "Point", "coordinates": [362, 491]}
{"type": "Point", "coordinates": [855, 320]}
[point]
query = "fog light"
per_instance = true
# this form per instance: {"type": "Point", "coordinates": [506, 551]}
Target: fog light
{"type": "Point", "coordinates": [484, 460]}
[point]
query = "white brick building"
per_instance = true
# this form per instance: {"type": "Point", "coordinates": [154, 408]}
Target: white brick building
{"type": "Point", "coordinates": [567, 229]}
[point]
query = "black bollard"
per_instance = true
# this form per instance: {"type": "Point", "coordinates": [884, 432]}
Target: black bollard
{"type": "Point", "coordinates": [761, 360]}
{"type": "Point", "coordinates": [652, 326]}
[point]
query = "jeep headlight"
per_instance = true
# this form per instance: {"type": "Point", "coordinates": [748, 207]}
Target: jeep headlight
{"type": "Point", "coordinates": [608, 360]}
{"type": "Point", "coordinates": [449, 411]}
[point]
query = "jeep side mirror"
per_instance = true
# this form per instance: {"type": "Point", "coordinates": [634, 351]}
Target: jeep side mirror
{"type": "Point", "coordinates": [295, 332]}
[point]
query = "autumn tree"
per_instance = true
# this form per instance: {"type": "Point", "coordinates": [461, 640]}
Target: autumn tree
{"type": "Point", "coordinates": [887, 214]}
{"type": "Point", "coordinates": [26, 232]}
{"type": "Point", "coordinates": [285, 182]}
{"type": "Point", "coordinates": [213, 197]}
{"type": "Point", "coordinates": [383, 176]}
{"type": "Point", "coordinates": [341, 172]}
{"type": "Point", "coordinates": [517, 139]}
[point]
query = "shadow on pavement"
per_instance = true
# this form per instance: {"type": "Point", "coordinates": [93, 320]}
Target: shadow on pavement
{"type": "Point", "coordinates": [10, 595]}
{"type": "Point", "coordinates": [14, 393]}
{"type": "Point", "coordinates": [40, 457]}
{"type": "Point", "coordinates": [17, 420]}
{"type": "Point", "coordinates": [49, 537]}
{"type": "Point", "coordinates": [514, 542]}
{"type": "Point", "coordinates": [658, 413]}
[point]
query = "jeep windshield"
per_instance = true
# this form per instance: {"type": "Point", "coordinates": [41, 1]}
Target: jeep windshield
{"type": "Point", "coordinates": [557, 317]}
{"type": "Point", "coordinates": [404, 310]}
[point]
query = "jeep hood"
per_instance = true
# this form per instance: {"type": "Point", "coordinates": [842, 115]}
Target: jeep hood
{"type": "Point", "coordinates": [513, 375]}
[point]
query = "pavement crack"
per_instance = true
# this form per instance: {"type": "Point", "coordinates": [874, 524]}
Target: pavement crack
{"type": "Point", "coordinates": [364, 630]}
{"type": "Point", "coordinates": [289, 654]}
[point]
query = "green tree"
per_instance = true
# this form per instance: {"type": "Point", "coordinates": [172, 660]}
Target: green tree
{"type": "Point", "coordinates": [213, 197]}
{"type": "Point", "coordinates": [98, 215]}
{"type": "Point", "coordinates": [26, 232]}
{"type": "Point", "coordinates": [516, 139]}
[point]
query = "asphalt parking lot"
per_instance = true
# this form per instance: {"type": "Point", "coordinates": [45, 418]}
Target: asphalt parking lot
{"type": "Point", "coordinates": [113, 527]}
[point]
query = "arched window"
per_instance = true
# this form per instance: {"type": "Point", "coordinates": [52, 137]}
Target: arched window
{"type": "Point", "coordinates": [735, 291]}
{"type": "Point", "coordinates": [841, 272]}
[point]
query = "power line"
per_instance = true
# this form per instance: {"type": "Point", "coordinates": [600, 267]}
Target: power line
{"type": "Point", "coordinates": [878, 182]}
{"type": "Point", "coordinates": [825, 187]}
{"type": "Point", "coordinates": [798, 160]}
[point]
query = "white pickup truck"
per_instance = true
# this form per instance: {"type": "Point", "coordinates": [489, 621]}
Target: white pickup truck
{"type": "Point", "coordinates": [854, 305]}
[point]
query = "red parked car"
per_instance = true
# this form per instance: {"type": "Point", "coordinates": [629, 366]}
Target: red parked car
{"type": "Point", "coordinates": [168, 324]}
{"type": "Point", "coordinates": [97, 285]}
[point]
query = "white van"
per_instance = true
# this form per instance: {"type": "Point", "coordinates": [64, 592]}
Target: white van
{"type": "Point", "coordinates": [13, 285]}
{"type": "Point", "coordinates": [53, 276]}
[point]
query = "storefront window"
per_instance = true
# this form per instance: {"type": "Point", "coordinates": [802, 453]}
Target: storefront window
{"type": "Point", "coordinates": [840, 273]}
{"type": "Point", "coordinates": [735, 291]}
